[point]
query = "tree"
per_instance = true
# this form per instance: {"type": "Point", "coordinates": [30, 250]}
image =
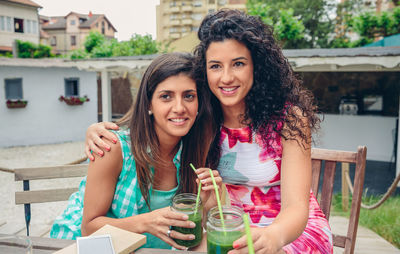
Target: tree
{"type": "Point", "coordinates": [96, 45]}
{"type": "Point", "coordinates": [371, 26]}
{"type": "Point", "coordinates": [314, 15]}
{"type": "Point", "coordinates": [288, 30]}
{"type": "Point", "coordinates": [28, 49]}
{"type": "Point", "coordinates": [94, 39]}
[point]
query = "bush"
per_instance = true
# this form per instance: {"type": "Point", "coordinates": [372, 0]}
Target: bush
{"type": "Point", "coordinates": [28, 49]}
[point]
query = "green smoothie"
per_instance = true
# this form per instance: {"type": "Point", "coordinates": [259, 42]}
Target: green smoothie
{"type": "Point", "coordinates": [219, 242]}
{"type": "Point", "coordinates": [196, 231]}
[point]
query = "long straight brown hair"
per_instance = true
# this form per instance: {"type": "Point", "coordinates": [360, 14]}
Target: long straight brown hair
{"type": "Point", "coordinates": [143, 135]}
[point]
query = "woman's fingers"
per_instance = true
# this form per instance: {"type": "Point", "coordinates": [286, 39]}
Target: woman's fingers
{"type": "Point", "coordinates": [94, 147]}
{"type": "Point", "coordinates": [176, 235]}
{"type": "Point", "coordinates": [180, 223]}
{"type": "Point", "coordinates": [163, 236]}
{"type": "Point", "coordinates": [88, 152]}
{"type": "Point", "coordinates": [108, 135]}
{"type": "Point", "coordinates": [205, 178]}
{"type": "Point", "coordinates": [110, 126]}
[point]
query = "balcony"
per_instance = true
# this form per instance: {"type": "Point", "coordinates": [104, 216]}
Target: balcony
{"type": "Point", "coordinates": [174, 22]}
{"type": "Point", "coordinates": [187, 8]}
{"type": "Point", "coordinates": [175, 35]}
{"type": "Point", "coordinates": [187, 21]}
{"type": "Point", "coordinates": [174, 9]}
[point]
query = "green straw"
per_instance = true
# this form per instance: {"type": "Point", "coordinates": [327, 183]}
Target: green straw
{"type": "Point", "coordinates": [218, 200]}
{"type": "Point", "coordinates": [248, 233]}
{"type": "Point", "coordinates": [198, 191]}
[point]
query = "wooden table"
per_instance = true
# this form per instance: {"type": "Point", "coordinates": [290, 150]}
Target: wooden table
{"type": "Point", "coordinates": [42, 245]}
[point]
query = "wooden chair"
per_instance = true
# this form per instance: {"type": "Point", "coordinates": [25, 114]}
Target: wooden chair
{"type": "Point", "coordinates": [331, 157]}
{"type": "Point", "coordinates": [27, 196]}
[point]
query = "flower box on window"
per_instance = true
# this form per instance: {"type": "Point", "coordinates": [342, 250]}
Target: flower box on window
{"type": "Point", "coordinates": [16, 103]}
{"type": "Point", "coordinates": [73, 100]}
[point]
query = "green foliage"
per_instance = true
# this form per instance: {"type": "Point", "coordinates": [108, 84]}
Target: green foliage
{"type": "Point", "coordinates": [6, 54]}
{"type": "Point", "coordinates": [28, 49]}
{"type": "Point", "coordinates": [78, 54]}
{"type": "Point", "coordinates": [96, 45]}
{"type": "Point", "coordinates": [306, 24]}
{"type": "Point", "coordinates": [94, 39]}
{"type": "Point", "coordinates": [289, 30]}
{"type": "Point", "coordinates": [370, 26]}
{"type": "Point", "coordinates": [383, 220]}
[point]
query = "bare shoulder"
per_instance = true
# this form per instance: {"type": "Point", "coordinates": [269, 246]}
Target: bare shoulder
{"type": "Point", "coordinates": [110, 162]}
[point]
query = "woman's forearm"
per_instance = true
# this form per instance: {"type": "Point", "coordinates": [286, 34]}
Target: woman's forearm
{"type": "Point", "coordinates": [290, 223]}
{"type": "Point", "coordinates": [134, 224]}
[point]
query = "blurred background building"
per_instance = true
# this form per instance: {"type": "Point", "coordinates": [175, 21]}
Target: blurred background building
{"type": "Point", "coordinates": [180, 19]}
{"type": "Point", "coordinates": [19, 20]}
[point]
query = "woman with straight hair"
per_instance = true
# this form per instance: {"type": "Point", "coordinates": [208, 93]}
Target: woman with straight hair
{"type": "Point", "coordinates": [132, 188]}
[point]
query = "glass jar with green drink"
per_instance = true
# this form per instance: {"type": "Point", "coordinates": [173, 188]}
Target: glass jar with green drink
{"type": "Point", "coordinates": [186, 203]}
{"type": "Point", "coordinates": [222, 233]}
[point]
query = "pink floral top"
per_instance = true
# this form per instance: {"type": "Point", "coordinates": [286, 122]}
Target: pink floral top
{"type": "Point", "coordinates": [250, 166]}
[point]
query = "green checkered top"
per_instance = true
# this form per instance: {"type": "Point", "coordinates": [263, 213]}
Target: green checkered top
{"type": "Point", "coordinates": [127, 199]}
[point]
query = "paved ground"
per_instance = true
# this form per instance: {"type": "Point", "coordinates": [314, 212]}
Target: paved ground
{"type": "Point", "coordinates": [368, 242]}
{"type": "Point", "coordinates": [12, 216]}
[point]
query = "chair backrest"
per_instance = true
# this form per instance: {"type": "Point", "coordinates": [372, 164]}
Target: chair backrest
{"type": "Point", "coordinates": [28, 196]}
{"type": "Point", "coordinates": [331, 158]}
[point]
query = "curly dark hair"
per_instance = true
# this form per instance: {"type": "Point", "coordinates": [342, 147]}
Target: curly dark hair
{"type": "Point", "coordinates": [276, 95]}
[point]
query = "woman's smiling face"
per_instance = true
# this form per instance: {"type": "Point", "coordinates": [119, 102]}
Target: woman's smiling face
{"type": "Point", "coordinates": [229, 72]}
{"type": "Point", "coordinates": [174, 105]}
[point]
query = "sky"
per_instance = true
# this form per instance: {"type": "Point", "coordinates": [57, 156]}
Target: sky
{"type": "Point", "coordinates": [127, 16]}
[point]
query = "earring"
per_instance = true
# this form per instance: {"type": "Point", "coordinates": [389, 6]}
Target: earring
{"type": "Point", "coordinates": [197, 113]}
{"type": "Point", "coordinates": [150, 113]}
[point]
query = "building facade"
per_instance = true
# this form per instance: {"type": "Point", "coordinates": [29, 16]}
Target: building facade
{"type": "Point", "coordinates": [19, 20]}
{"type": "Point", "coordinates": [178, 18]}
{"type": "Point", "coordinates": [66, 33]}
{"type": "Point", "coordinates": [31, 109]}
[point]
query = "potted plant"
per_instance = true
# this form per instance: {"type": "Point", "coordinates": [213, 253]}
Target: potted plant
{"type": "Point", "coordinates": [74, 100]}
{"type": "Point", "coordinates": [16, 103]}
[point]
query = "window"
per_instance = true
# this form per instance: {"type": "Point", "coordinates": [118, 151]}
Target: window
{"type": "Point", "coordinates": [53, 41]}
{"type": "Point", "coordinates": [13, 89]}
{"type": "Point", "coordinates": [18, 25]}
{"type": "Point", "coordinates": [34, 27]}
{"type": "Point", "coordinates": [173, 30]}
{"type": "Point", "coordinates": [197, 16]}
{"type": "Point", "coordinates": [211, 10]}
{"type": "Point", "coordinates": [172, 4]}
{"type": "Point", "coordinates": [195, 28]}
{"type": "Point", "coordinates": [71, 87]}
{"type": "Point", "coordinates": [103, 27]}
{"type": "Point", "coordinates": [197, 3]}
{"type": "Point", "coordinates": [97, 24]}
{"type": "Point", "coordinates": [211, 1]}
{"type": "Point", "coordinates": [9, 24]}
{"type": "Point", "coordinates": [28, 26]}
{"type": "Point", "coordinates": [72, 22]}
{"type": "Point", "coordinates": [173, 17]}
{"type": "Point", "coordinates": [73, 40]}
{"type": "Point", "coordinates": [2, 23]}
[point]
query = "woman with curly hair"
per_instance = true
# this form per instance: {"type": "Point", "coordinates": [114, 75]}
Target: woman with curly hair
{"type": "Point", "coordinates": [262, 122]}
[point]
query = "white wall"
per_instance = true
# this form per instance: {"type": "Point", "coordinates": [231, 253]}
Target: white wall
{"type": "Point", "coordinates": [45, 119]}
{"type": "Point", "coordinates": [344, 132]}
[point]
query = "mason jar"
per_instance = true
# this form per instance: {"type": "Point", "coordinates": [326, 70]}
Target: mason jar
{"type": "Point", "coordinates": [220, 237]}
{"type": "Point", "coordinates": [186, 203]}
